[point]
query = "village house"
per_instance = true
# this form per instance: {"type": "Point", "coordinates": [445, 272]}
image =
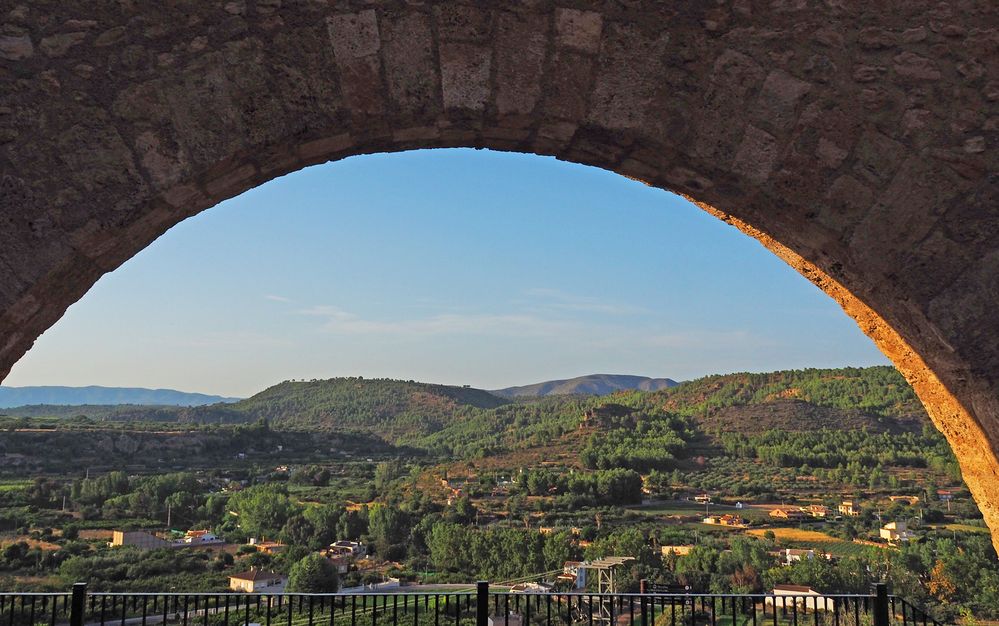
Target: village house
{"type": "Point", "coordinates": [268, 547]}
{"type": "Point", "coordinates": [793, 555]}
{"type": "Point", "coordinates": [350, 549]}
{"type": "Point", "coordinates": [677, 550]}
{"type": "Point", "coordinates": [725, 520]}
{"type": "Point", "coordinates": [789, 515]}
{"type": "Point", "coordinates": [815, 510]}
{"type": "Point", "coordinates": [850, 508]}
{"type": "Point", "coordinates": [257, 581]}
{"type": "Point", "coordinates": [895, 532]}
{"type": "Point", "coordinates": [139, 538]}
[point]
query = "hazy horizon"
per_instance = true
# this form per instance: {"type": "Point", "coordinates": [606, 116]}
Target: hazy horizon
{"type": "Point", "coordinates": [472, 267]}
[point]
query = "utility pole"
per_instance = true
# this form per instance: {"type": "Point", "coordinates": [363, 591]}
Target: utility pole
{"type": "Point", "coordinates": [168, 515]}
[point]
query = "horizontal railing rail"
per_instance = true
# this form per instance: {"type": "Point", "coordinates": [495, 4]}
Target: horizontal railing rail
{"type": "Point", "coordinates": [422, 607]}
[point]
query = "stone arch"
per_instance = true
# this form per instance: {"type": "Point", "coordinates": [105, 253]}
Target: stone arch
{"type": "Point", "coordinates": [856, 140]}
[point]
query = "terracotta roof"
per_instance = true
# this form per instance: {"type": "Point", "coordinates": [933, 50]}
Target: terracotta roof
{"type": "Point", "coordinates": [255, 575]}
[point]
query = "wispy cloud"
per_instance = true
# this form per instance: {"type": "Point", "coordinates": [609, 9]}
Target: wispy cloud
{"type": "Point", "coordinates": [274, 298]}
{"type": "Point", "coordinates": [558, 299]}
{"type": "Point", "coordinates": [230, 339]}
{"type": "Point", "coordinates": [337, 320]}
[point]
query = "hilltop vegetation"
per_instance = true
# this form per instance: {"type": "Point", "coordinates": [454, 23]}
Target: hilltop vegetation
{"type": "Point", "coordinates": [390, 408]}
{"type": "Point", "coordinates": [448, 418]}
{"type": "Point", "coordinates": [877, 392]}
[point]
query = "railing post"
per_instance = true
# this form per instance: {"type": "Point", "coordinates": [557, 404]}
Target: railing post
{"type": "Point", "coordinates": [880, 604]}
{"type": "Point", "coordinates": [78, 604]}
{"type": "Point", "coordinates": [482, 603]}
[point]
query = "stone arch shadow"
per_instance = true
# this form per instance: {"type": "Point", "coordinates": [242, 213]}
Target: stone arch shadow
{"type": "Point", "coordinates": [854, 145]}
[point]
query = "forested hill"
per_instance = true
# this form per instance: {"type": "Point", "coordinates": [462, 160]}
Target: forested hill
{"type": "Point", "coordinates": [392, 409]}
{"type": "Point", "coordinates": [877, 398]}
{"type": "Point", "coordinates": [591, 385]}
{"type": "Point", "coordinates": [465, 421]}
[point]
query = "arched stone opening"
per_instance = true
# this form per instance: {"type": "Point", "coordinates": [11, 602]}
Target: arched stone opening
{"type": "Point", "coordinates": [855, 142]}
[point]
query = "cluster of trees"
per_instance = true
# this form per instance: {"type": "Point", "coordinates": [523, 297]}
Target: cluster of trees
{"type": "Point", "coordinates": [602, 487]}
{"type": "Point", "coordinates": [840, 448]}
{"type": "Point", "coordinates": [876, 390]}
{"type": "Point", "coordinates": [650, 443]}
{"type": "Point", "coordinates": [116, 496]}
{"type": "Point", "coordinates": [497, 553]}
{"type": "Point", "coordinates": [267, 511]}
{"type": "Point", "coordinates": [155, 570]}
{"type": "Point", "coordinates": [512, 426]}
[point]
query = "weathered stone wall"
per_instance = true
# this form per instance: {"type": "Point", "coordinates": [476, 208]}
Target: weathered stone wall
{"type": "Point", "coordinates": [856, 139]}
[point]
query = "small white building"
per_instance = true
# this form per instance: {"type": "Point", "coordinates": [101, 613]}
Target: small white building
{"type": "Point", "coordinates": [347, 548]}
{"type": "Point", "coordinates": [849, 508]}
{"type": "Point", "coordinates": [895, 532]}
{"type": "Point", "coordinates": [793, 555]}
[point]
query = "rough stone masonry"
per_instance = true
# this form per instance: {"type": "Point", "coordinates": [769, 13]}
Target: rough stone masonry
{"type": "Point", "coordinates": [855, 139]}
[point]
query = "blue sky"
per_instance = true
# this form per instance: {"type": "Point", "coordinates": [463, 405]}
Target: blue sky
{"type": "Point", "coordinates": [451, 266]}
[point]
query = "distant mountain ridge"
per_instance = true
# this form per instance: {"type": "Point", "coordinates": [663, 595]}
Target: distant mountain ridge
{"type": "Point", "coordinates": [94, 395]}
{"type": "Point", "coordinates": [591, 385]}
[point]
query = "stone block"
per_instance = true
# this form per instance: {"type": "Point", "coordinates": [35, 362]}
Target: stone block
{"type": "Point", "coordinates": [569, 85]}
{"type": "Point", "coordinates": [777, 105]}
{"type": "Point", "coordinates": [59, 45]}
{"type": "Point", "coordinates": [354, 35]}
{"type": "Point", "coordinates": [465, 75]}
{"type": "Point", "coordinates": [410, 67]}
{"type": "Point", "coordinates": [578, 30]}
{"type": "Point", "coordinates": [16, 47]}
{"type": "Point", "coordinates": [877, 156]}
{"type": "Point", "coordinates": [624, 92]}
{"type": "Point", "coordinates": [756, 156]}
{"type": "Point", "coordinates": [520, 56]}
{"type": "Point", "coordinates": [457, 22]}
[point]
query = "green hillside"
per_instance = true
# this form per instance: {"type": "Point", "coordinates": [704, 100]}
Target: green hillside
{"type": "Point", "coordinates": [391, 409]}
{"type": "Point", "coordinates": [646, 430]}
{"type": "Point", "coordinates": [467, 422]}
{"type": "Point", "coordinates": [876, 397]}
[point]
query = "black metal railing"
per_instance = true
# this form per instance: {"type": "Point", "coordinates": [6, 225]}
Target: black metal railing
{"type": "Point", "coordinates": [482, 607]}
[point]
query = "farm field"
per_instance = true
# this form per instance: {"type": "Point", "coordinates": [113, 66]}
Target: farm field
{"type": "Point", "coordinates": [802, 538]}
